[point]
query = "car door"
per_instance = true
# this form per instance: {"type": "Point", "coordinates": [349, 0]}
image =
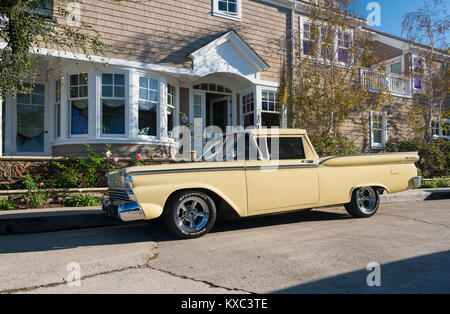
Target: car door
{"type": "Point", "coordinates": [288, 181]}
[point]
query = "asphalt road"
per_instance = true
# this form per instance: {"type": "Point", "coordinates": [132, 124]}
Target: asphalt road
{"type": "Point", "coordinates": [323, 251]}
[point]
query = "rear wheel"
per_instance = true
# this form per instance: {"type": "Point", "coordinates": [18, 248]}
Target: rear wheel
{"type": "Point", "coordinates": [190, 214]}
{"type": "Point", "coordinates": [365, 202]}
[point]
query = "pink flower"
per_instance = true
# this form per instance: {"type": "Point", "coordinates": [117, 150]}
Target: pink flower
{"type": "Point", "coordinates": [139, 156]}
{"type": "Point", "coordinates": [108, 154]}
{"type": "Point", "coordinates": [41, 184]}
{"type": "Point", "coordinates": [58, 172]}
{"type": "Point", "coordinates": [116, 160]}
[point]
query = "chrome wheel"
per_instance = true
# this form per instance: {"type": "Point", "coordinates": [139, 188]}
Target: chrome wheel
{"type": "Point", "coordinates": [192, 214]}
{"type": "Point", "coordinates": [366, 199]}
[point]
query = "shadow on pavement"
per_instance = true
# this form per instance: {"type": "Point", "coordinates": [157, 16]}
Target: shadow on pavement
{"type": "Point", "coordinates": [142, 232]}
{"type": "Point", "coordinates": [422, 274]}
{"type": "Point", "coordinates": [260, 221]}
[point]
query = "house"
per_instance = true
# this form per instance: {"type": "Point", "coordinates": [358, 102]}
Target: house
{"type": "Point", "coordinates": [172, 61]}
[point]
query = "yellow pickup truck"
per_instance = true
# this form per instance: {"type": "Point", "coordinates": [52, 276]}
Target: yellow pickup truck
{"type": "Point", "coordinates": [256, 179]}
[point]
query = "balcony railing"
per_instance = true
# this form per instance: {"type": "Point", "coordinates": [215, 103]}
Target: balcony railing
{"type": "Point", "coordinates": [397, 85]}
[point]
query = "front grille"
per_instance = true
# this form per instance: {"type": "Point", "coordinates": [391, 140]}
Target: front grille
{"type": "Point", "coordinates": [118, 195]}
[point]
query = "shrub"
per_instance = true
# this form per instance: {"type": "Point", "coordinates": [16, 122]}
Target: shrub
{"type": "Point", "coordinates": [7, 204]}
{"type": "Point", "coordinates": [434, 156]}
{"type": "Point", "coordinates": [80, 172]}
{"type": "Point", "coordinates": [82, 201]}
{"type": "Point", "coordinates": [35, 196]}
{"type": "Point", "coordinates": [329, 146]}
{"type": "Point", "coordinates": [441, 183]}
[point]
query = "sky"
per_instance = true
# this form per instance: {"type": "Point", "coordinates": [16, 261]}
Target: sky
{"type": "Point", "coordinates": [392, 12]}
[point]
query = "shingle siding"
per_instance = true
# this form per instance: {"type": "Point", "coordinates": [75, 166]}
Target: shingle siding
{"type": "Point", "coordinates": [166, 32]}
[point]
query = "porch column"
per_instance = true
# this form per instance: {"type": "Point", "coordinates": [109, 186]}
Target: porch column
{"type": "Point", "coordinates": [163, 110]}
{"type": "Point", "coordinates": [258, 106]}
{"type": "Point", "coordinates": [234, 109]}
{"type": "Point", "coordinates": [65, 107]}
{"type": "Point", "coordinates": [133, 104]}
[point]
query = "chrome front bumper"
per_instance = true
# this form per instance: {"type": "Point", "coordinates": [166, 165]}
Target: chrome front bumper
{"type": "Point", "coordinates": [125, 211]}
{"type": "Point", "coordinates": [417, 181]}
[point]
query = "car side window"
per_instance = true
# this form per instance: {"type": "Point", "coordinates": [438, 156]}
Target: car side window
{"type": "Point", "coordinates": [289, 148]}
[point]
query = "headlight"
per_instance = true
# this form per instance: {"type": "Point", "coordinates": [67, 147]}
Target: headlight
{"type": "Point", "coordinates": [128, 182]}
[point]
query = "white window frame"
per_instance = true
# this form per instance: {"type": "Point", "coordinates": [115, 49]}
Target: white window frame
{"type": "Point", "coordinates": [171, 105]}
{"type": "Point", "coordinates": [69, 103]}
{"type": "Point", "coordinates": [244, 104]}
{"type": "Point", "coordinates": [276, 106]}
{"type": "Point", "coordinates": [422, 79]}
{"type": "Point", "coordinates": [124, 98]}
{"type": "Point", "coordinates": [318, 54]}
{"type": "Point", "coordinates": [157, 103]}
{"type": "Point", "coordinates": [383, 115]}
{"type": "Point", "coordinates": [225, 14]}
{"type": "Point", "coordinates": [438, 128]}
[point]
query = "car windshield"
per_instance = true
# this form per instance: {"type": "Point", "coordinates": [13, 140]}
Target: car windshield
{"type": "Point", "coordinates": [229, 147]}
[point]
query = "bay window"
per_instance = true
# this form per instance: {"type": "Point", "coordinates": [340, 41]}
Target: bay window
{"type": "Point", "coordinates": [248, 109]}
{"type": "Point", "coordinates": [30, 119]}
{"type": "Point", "coordinates": [148, 106]}
{"type": "Point", "coordinates": [113, 104]}
{"type": "Point", "coordinates": [270, 115]}
{"type": "Point", "coordinates": [78, 100]}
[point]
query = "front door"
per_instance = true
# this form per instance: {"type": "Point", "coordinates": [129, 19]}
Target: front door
{"type": "Point", "coordinates": [30, 134]}
{"type": "Point", "coordinates": [219, 112]}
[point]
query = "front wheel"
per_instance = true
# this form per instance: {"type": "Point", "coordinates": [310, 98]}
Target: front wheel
{"type": "Point", "coordinates": [364, 203]}
{"type": "Point", "coordinates": [190, 214]}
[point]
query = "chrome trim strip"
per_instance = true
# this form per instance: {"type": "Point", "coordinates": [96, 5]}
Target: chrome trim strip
{"type": "Point", "coordinates": [186, 170]}
{"type": "Point", "coordinates": [360, 155]}
{"type": "Point", "coordinates": [268, 167]}
{"type": "Point", "coordinates": [262, 167]}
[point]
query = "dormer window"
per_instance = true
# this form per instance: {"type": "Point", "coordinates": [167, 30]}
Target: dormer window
{"type": "Point", "coordinates": [230, 9]}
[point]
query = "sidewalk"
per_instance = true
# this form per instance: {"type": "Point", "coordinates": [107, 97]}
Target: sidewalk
{"type": "Point", "coordinates": [55, 219]}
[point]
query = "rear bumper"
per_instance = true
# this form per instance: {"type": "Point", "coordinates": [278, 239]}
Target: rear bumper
{"type": "Point", "coordinates": [125, 211]}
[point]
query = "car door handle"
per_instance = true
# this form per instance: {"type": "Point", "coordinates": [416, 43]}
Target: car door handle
{"type": "Point", "coordinates": [307, 161]}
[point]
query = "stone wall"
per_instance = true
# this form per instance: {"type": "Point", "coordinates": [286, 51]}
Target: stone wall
{"type": "Point", "coordinates": [14, 169]}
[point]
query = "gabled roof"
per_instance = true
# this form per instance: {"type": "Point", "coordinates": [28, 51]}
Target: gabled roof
{"type": "Point", "coordinates": [229, 53]}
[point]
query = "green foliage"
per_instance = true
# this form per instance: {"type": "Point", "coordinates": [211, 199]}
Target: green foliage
{"type": "Point", "coordinates": [329, 146]}
{"type": "Point", "coordinates": [442, 183]}
{"type": "Point", "coordinates": [82, 201]}
{"type": "Point", "coordinates": [28, 24]}
{"type": "Point", "coordinates": [7, 204]}
{"type": "Point", "coordinates": [36, 195]}
{"type": "Point", "coordinates": [87, 172]}
{"type": "Point", "coordinates": [434, 155]}
{"type": "Point", "coordinates": [321, 95]}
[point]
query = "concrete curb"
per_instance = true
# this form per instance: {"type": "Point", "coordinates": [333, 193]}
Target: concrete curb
{"type": "Point", "coordinates": [58, 219]}
{"type": "Point", "coordinates": [416, 195]}
{"type": "Point", "coordinates": [53, 220]}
